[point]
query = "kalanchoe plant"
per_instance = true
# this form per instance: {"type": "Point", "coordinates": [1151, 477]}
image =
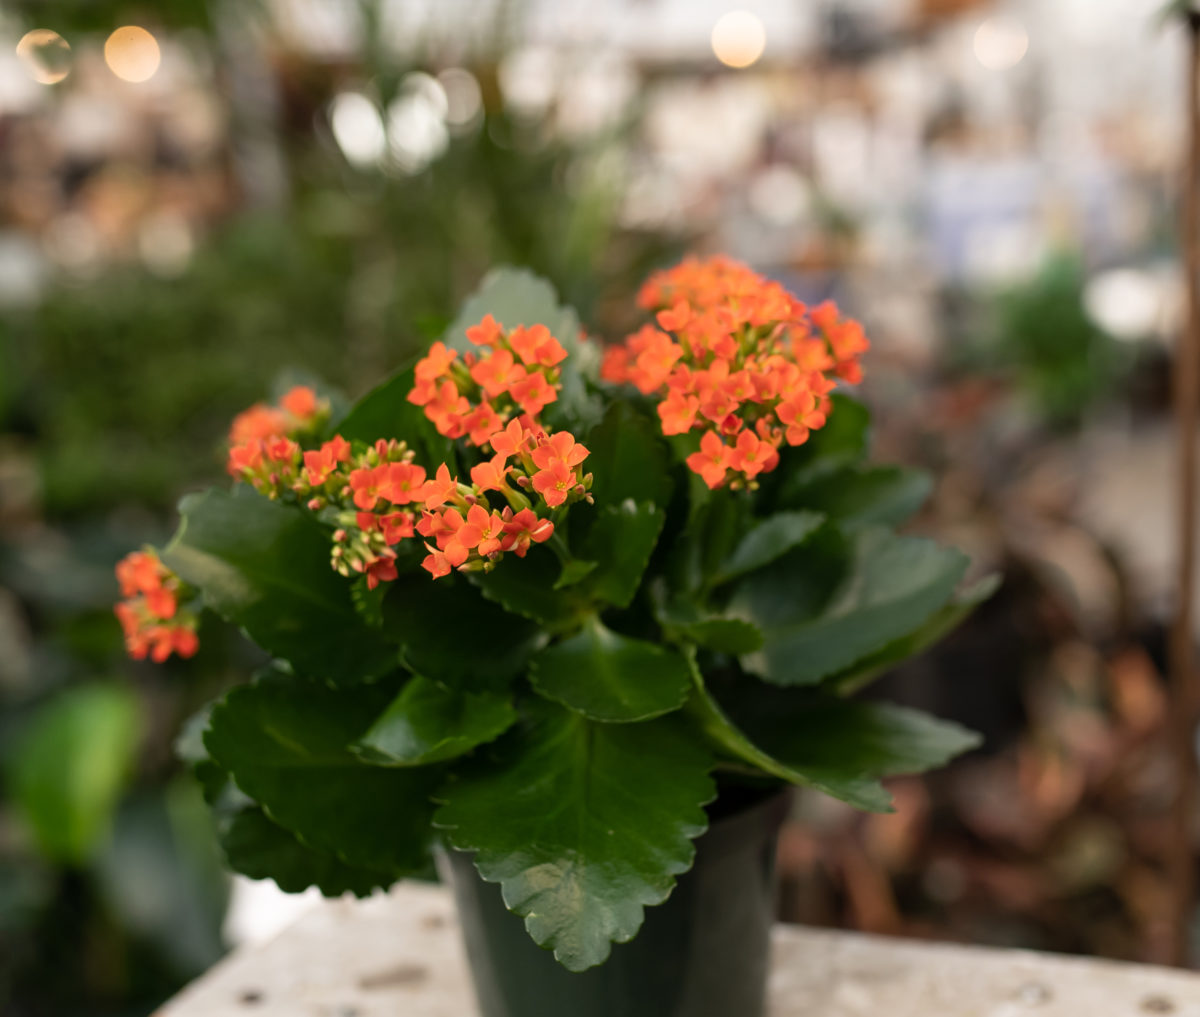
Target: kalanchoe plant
{"type": "Point", "coordinates": [572, 598]}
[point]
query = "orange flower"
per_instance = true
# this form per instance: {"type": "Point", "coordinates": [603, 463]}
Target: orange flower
{"type": "Point", "coordinates": [750, 453]}
{"type": "Point", "coordinates": [140, 572]}
{"type": "Point", "coordinates": [560, 447]}
{"type": "Point", "coordinates": [401, 483]}
{"type": "Point", "coordinates": [436, 563]}
{"type": "Point", "coordinates": [678, 413]}
{"type": "Point", "coordinates": [533, 394]}
{"type": "Point", "coordinates": [487, 333]}
{"type": "Point", "coordinates": [320, 463]}
{"type": "Point", "coordinates": [526, 342]}
{"type": "Point", "coordinates": [258, 422]}
{"type": "Point", "coordinates": [497, 373]}
{"type": "Point", "coordinates": [435, 365]}
{"type": "Point", "coordinates": [614, 367]}
{"type": "Point", "coordinates": [300, 402]}
{"type": "Point", "coordinates": [712, 461]}
{"type": "Point", "coordinates": [440, 489]}
{"type": "Point", "coordinates": [381, 570]}
{"type": "Point", "coordinates": [489, 476]}
{"type": "Point", "coordinates": [514, 440]}
{"type": "Point", "coordinates": [365, 484]}
{"type": "Point", "coordinates": [523, 529]}
{"type": "Point", "coordinates": [446, 410]}
{"type": "Point", "coordinates": [151, 617]}
{"type": "Point", "coordinates": [396, 526]}
{"type": "Point", "coordinates": [481, 423]}
{"type": "Point", "coordinates": [742, 355]}
{"type": "Point", "coordinates": [555, 482]}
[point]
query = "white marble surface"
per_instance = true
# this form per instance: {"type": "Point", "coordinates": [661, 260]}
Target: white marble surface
{"type": "Point", "coordinates": [399, 956]}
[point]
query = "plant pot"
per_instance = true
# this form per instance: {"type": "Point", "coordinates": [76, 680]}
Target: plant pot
{"type": "Point", "coordinates": [702, 953]}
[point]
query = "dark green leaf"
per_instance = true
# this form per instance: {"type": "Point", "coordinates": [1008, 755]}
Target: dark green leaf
{"type": "Point", "coordinates": [427, 723]}
{"type": "Point", "coordinates": [515, 296]}
{"type": "Point", "coordinates": [714, 632]}
{"type": "Point", "coordinates": [528, 586]}
{"type": "Point", "coordinates": [584, 825]}
{"type": "Point", "coordinates": [941, 624]}
{"type": "Point", "coordinates": [573, 571]}
{"type": "Point", "coordinates": [610, 677]}
{"type": "Point", "coordinates": [265, 567]}
{"type": "Point", "coordinates": [798, 586]}
{"type": "Point", "coordinates": [865, 495]}
{"type": "Point", "coordinates": [895, 584]}
{"type": "Point", "coordinates": [621, 540]}
{"type": "Point", "coordinates": [70, 768]}
{"type": "Point", "coordinates": [849, 784]}
{"type": "Point", "coordinates": [767, 541]}
{"type": "Point", "coordinates": [717, 521]}
{"type": "Point", "coordinates": [817, 734]}
{"type": "Point", "coordinates": [451, 634]}
{"type": "Point", "coordinates": [261, 849]}
{"type": "Point", "coordinates": [284, 742]}
{"type": "Point", "coordinates": [628, 458]}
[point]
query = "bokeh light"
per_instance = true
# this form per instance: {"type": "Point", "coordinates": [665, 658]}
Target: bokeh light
{"type": "Point", "coordinates": [464, 99]}
{"type": "Point", "coordinates": [738, 39]}
{"type": "Point", "coordinates": [46, 55]}
{"type": "Point", "coordinates": [358, 128]}
{"type": "Point", "coordinates": [1001, 43]}
{"type": "Point", "coordinates": [132, 54]}
{"type": "Point", "coordinates": [416, 123]}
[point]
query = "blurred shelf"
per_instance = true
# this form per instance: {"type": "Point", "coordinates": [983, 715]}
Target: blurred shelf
{"type": "Point", "coordinates": [400, 954]}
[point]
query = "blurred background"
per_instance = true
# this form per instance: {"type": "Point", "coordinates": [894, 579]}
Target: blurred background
{"type": "Point", "coordinates": [204, 201]}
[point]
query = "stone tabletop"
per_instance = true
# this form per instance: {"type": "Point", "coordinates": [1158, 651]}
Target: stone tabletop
{"type": "Point", "coordinates": [398, 955]}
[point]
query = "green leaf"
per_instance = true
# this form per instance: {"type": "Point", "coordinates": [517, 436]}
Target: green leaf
{"type": "Point", "coordinates": [265, 567]}
{"type": "Point", "coordinates": [574, 570]}
{"type": "Point", "coordinates": [817, 734]}
{"type": "Point", "coordinates": [864, 496]}
{"type": "Point", "coordinates": [628, 458]}
{"type": "Point", "coordinates": [385, 412]}
{"type": "Point", "coordinates": [610, 677]}
{"type": "Point", "coordinates": [583, 825]}
{"type": "Point", "coordinates": [428, 723]}
{"type": "Point", "coordinates": [940, 625]}
{"type": "Point", "coordinates": [621, 541]}
{"type": "Point", "coordinates": [69, 769]}
{"type": "Point", "coordinates": [284, 742]}
{"type": "Point", "coordinates": [850, 786]}
{"type": "Point", "coordinates": [767, 541]}
{"type": "Point", "coordinates": [261, 849]}
{"type": "Point", "coordinates": [515, 296]}
{"type": "Point", "coordinates": [716, 522]}
{"type": "Point", "coordinates": [528, 586]}
{"type": "Point", "coordinates": [714, 632]}
{"type": "Point", "coordinates": [451, 634]}
{"type": "Point", "coordinates": [894, 584]}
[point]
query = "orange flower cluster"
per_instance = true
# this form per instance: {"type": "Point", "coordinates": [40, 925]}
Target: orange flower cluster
{"type": "Point", "coordinates": [261, 446]}
{"type": "Point", "coordinates": [738, 359]}
{"type": "Point", "coordinates": [379, 497]}
{"type": "Point", "coordinates": [476, 396]}
{"type": "Point", "coordinates": [154, 622]}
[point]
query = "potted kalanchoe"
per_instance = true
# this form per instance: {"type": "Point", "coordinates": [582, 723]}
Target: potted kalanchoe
{"type": "Point", "coordinates": [574, 617]}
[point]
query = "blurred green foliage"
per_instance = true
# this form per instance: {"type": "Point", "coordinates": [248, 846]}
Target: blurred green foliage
{"type": "Point", "coordinates": [71, 767]}
{"type": "Point", "coordinates": [1040, 336]}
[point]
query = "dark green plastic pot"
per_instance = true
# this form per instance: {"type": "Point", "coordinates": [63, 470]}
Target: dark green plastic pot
{"type": "Point", "coordinates": [703, 953]}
